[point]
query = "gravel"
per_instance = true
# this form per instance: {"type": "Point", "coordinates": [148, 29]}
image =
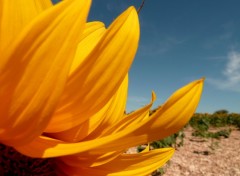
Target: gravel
{"type": "Point", "coordinates": [206, 157]}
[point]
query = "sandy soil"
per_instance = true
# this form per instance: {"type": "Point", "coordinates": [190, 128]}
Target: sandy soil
{"type": "Point", "coordinates": [202, 157]}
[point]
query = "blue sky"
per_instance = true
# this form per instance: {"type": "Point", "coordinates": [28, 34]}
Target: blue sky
{"type": "Point", "coordinates": [182, 41]}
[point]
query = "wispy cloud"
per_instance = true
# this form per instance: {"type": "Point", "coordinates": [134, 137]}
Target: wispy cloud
{"type": "Point", "coordinates": [226, 36]}
{"type": "Point", "coordinates": [229, 30]}
{"type": "Point", "coordinates": [231, 74]}
{"type": "Point", "coordinates": [160, 47]}
{"type": "Point", "coordinates": [135, 102]}
{"type": "Point", "coordinates": [216, 58]}
{"type": "Point", "coordinates": [116, 7]}
{"type": "Point", "coordinates": [226, 33]}
{"type": "Point", "coordinates": [136, 99]}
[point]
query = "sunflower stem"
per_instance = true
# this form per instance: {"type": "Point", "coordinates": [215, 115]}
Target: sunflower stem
{"type": "Point", "coordinates": [141, 6]}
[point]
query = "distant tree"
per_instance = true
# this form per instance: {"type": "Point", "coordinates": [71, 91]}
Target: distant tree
{"type": "Point", "coordinates": [221, 111]}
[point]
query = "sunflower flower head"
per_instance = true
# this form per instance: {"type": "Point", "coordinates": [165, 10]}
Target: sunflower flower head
{"type": "Point", "coordinates": [63, 93]}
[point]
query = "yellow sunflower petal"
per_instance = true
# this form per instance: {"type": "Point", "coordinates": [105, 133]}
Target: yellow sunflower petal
{"type": "Point", "coordinates": [125, 164]}
{"type": "Point", "coordinates": [34, 70]}
{"type": "Point", "coordinates": [147, 149]}
{"type": "Point", "coordinates": [81, 131]}
{"type": "Point", "coordinates": [184, 102]}
{"type": "Point", "coordinates": [91, 36]}
{"type": "Point", "coordinates": [170, 118]}
{"type": "Point", "coordinates": [99, 122]}
{"type": "Point", "coordinates": [176, 112]}
{"type": "Point", "coordinates": [101, 73]}
{"type": "Point", "coordinates": [90, 159]}
{"type": "Point", "coordinates": [131, 119]}
{"type": "Point", "coordinates": [15, 15]}
{"type": "Point", "coordinates": [41, 146]}
{"type": "Point", "coordinates": [114, 113]}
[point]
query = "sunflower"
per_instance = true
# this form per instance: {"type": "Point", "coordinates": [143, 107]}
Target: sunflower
{"type": "Point", "coordinates": [63, 93]}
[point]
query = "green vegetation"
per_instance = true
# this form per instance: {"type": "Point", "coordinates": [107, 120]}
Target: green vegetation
{"type": "Point", "coordinates": [211, 126]}
{"type": "Point", "coordinates": [216, 119]}
{"type": "Point", "coordinates": [206, 134]}
{"type": "Point", "coordinates": [175, 140]}
{"type": "Point", "coordinates": [201, 123]}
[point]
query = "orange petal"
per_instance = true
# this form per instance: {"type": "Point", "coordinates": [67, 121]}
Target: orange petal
{"type": "Point", "coordinates": [99, 76]}
{"type": "Point", "coordinates": [90, 159]}
{"type": "Point", "coordinates": [34, 70]}
{"type": "Point", "coordinates": [45, 147]}
{"type": "Point", "coordinates": [170, 118]}
{"type": "Point", "coordinates": [91, 36]}
{"type": "Point", "coordinates": [124, 165]}
{"type": "Point", "coordinates": [115, 112]}
{"type": "Point", "coordinates": [112, 112]}
{"type": "Point", "coordinates": [15, 15]}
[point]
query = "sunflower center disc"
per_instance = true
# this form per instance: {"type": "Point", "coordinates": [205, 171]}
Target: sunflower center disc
{"type": "Point", "coordinates": [14, 163]}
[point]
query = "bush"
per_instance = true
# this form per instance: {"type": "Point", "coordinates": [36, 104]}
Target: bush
{"type": "Point", "coordinates": [218, 119]}
{"type": "Point", "coordinates": [217, 135]}
{"type": "Point", "coordinates": [175, 140]}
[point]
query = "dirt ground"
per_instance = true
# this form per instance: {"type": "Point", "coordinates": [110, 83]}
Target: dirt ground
{"type": "Point", "coordinates": [206, 157]}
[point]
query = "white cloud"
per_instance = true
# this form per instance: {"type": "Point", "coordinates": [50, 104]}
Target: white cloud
{"type": "Point", "coordinates": [232, 70]}
{"type": "Point", "coordinates": [159, 47]}
{"type": "Point", "coordinates": [136, 102]}
{"type": "Point", "coordinates": [231, 73]}
{"type": "Point", "coordinates": [114, 7]}
{"type": "Point", "coordinates": [136, 99]}
{"type": "Point", "coordinates": [229, 30]}
{"type": "Point", "coordinates": [226, 36]}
